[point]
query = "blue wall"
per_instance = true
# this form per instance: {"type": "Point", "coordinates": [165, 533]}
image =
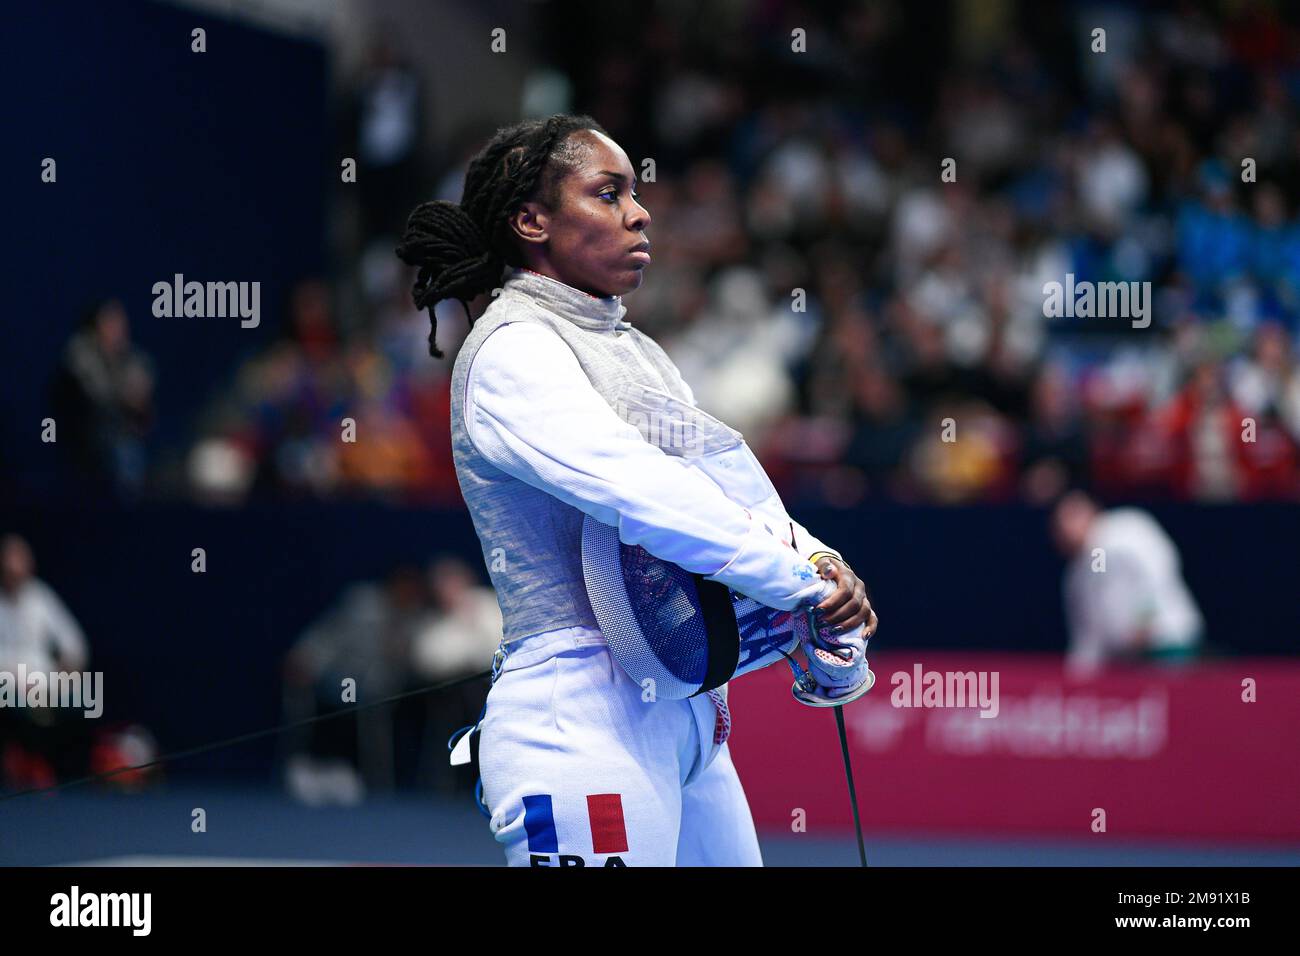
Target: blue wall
{"type": "Point", "coordinates": [214, 165]}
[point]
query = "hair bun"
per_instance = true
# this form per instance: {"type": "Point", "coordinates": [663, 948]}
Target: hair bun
{"type": "Point", "coordinates": [454, 257]}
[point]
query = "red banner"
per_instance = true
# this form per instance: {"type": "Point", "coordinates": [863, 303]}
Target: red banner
{"type": "Point", "coordinates": [987, 744]}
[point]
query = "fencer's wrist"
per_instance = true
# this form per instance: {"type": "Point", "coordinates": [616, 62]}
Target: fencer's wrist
{"type": "Point", "coordinates": [821, 556]}
{"type": "Point", "coordinates": [769, 571]}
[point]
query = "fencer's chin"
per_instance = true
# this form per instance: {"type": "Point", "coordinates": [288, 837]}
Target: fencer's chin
{"type": "Point", "coordinates": [633, 280]}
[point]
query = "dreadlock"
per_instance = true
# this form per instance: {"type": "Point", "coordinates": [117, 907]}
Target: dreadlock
{"type": "Point", "coordinates": [461, 248]}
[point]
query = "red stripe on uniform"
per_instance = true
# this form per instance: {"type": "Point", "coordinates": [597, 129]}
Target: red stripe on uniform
{"type": "Point", "coordinates": [608, 834]}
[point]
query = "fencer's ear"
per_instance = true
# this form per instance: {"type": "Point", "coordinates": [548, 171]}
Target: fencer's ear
{"type": "Point", "coordinates": [531, 223]}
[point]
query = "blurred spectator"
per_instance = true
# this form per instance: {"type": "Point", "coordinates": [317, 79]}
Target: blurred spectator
{"type": "Point", "coordinates": [102, 397]}
{"type": "Point", "coordinates": [1219, 453]}
{"type": "Point", "coordinates": [1055, 450]}
{"type": "Point", "coordinates": [965, 454]}
{"type": "Point", "coordinates": [36, 628]}
{"type": "Point", "coordinates": [458, 639]}
{"type": "Point", "coordinates": [883, 432]}
{"type": "Point", "coordinates": [1266, 383]}
{"type": "Point", "coordinates": [1125, 598]}
{"type": "Point", "coordinates": [37, 745]}
{"type": "Point", "coordinates": [463, 631]}
{"type": "Point", "coordinates": [1112, 181]}
{"type": "Point", "coordinates": [735, 356]}
{"type": "Point", "coordinates": [388, 115]}
{"type": "Point", "coordinates": [363, 643]}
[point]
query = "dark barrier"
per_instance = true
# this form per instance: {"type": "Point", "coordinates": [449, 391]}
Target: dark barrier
{"type": "Point", "coordinates": [197, 656]}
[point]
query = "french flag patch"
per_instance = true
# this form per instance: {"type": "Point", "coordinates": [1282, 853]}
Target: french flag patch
{"type": "Point", "coordinates": [608, 833]}
{"type": "Point", "coordinates": [539, 823]}
{"type": "Point", "coordinates": [604, 812]}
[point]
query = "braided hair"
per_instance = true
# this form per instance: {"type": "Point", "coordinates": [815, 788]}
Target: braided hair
{"type": "Point", "coordinates": [461, 248]}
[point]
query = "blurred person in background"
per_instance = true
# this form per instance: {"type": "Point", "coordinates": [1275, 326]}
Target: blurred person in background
{"type": "Point", "coordinates": [736, 354]}
{"type": "Point", "coordinates": [1266, 383]}
{"type": "Point", "coordinates": [458, 639]}
{"type": "Point", "coordinates": [37, 631]}
{"type": "Point", "coordinates": [293, 397]}
{"type": "Point", "coordinates": [965, 453]}
{"type": "Point", "coordinates": [1219, 451]}
{"type": "Point", "coordinates": [387, 121]}
{"type": "Point", "coordinates": [883, 432]}
{"type": "Point", "coordinates": [102, 396]}
{"type": "Point", "coordinates": [366, 638]}
{"type": "Point", "coordinates": [1125, 598]}
{"type": "Point", "coordinates": [464, 627]}
{"type": "Point", "coordinates": [1054, 453]}
{"type": "Point", "coordinates": [391, 457]}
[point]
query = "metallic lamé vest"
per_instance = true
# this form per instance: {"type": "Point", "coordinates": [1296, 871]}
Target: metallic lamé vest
{"type": "Point", "coordinates": [531, 540]}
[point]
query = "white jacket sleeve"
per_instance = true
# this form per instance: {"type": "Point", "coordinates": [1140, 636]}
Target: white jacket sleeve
{"type": "Point", "coordinates": [807, 545]}
{"type": "Point", "coordinates": [531, 411]}
{"type": "Point", "coordinates": [1086, 653]}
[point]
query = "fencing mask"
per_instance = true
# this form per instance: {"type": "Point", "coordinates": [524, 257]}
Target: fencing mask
{"type": "Point", "coordinates": [668, 625]}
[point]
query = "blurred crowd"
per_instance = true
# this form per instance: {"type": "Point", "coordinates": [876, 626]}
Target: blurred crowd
{"type": "Point", "coordinates": [414, 630]}
{"type": "Point", "coordinates": [875, 327]}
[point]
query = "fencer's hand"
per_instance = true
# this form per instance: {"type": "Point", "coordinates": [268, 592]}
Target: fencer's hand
{"type": "Point", "coordinates": [848, 606]}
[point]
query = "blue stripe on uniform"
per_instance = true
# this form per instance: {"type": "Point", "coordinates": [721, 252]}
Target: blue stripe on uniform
{"type": "Point", "coordinates": [539, 821]}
